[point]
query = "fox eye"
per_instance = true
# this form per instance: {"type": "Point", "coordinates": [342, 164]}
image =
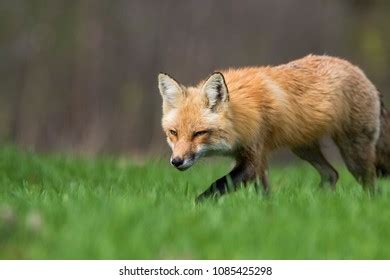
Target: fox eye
{"type": "Point", "coordinates": [172, 132]}
{"type": "Point", "coordinates": [200, 132]}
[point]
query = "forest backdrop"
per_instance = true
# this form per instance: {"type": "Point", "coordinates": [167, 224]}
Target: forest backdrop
{"type": "Point", "coordinates": [80, 76]}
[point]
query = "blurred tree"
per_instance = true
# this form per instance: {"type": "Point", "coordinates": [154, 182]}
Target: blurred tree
{"type": "Point", "coordinates": [80, 75]}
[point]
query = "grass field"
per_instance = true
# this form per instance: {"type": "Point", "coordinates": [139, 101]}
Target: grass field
{"type": "Point", "coordinates": [61, 207]}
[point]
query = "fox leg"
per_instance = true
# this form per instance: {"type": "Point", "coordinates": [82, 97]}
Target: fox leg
{"type": "Point", "coordinates": [241, 173]}
{"type": "Point", "coordinates": [358, 152]}
{"type": "Point", "coordinates": [312, 154]}
{"type": "Point", "coordinates": [383, 145]}
{"type": "Point", "coordinates": [262, 175]}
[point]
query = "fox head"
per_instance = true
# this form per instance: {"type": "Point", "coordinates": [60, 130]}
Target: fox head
{"type": "Point", "coordinates": [196, 120]}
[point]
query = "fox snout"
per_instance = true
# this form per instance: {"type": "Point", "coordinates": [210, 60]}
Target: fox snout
{"type": "Point", "coordinates": [177, 161]}
{"type": "Point", "coordinates": [183, 162]}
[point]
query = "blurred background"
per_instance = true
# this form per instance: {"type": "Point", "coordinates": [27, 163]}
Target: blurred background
{"type": "Point", "coordinates": [80, 76]}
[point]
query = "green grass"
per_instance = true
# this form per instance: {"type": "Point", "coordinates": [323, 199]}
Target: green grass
{"type": "Point", "coordinates": [61, 207]}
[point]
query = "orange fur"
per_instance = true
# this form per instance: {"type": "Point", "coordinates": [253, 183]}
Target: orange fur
{"type": "Point", "coordinates": [318, 96]}
{"type": "Point", "coordinates": [292, 105]}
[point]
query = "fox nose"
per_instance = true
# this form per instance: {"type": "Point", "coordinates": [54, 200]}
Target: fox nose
{"type": "Point", "coordinates": [177, 161]}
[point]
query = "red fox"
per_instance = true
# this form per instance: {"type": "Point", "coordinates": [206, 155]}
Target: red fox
{"type": "Point", "coordinates": [248, 112]}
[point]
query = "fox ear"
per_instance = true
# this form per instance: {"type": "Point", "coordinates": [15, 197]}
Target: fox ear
{"type": "Point", "coordinates": [216, 90]}
{"type": "Point", "coordinates": [170, 90]}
